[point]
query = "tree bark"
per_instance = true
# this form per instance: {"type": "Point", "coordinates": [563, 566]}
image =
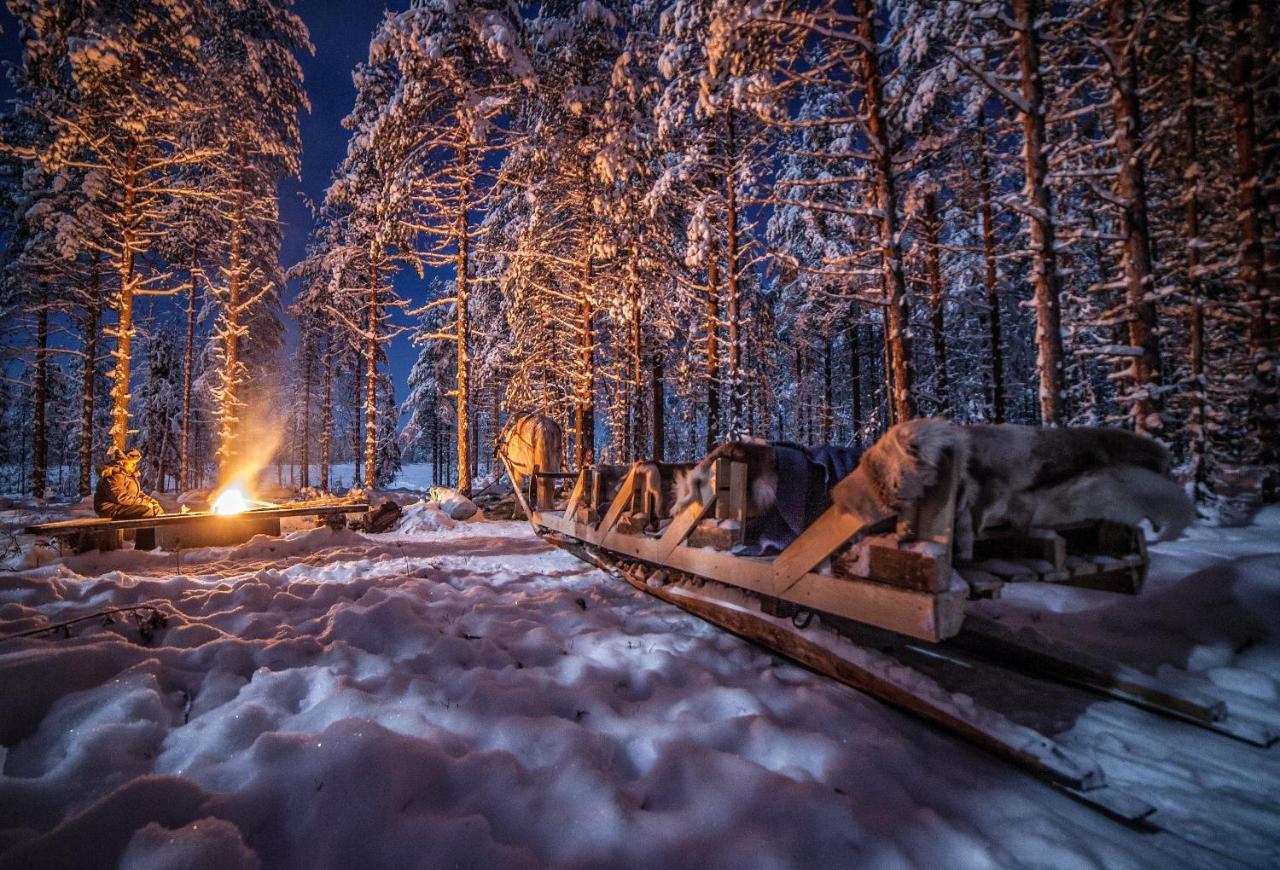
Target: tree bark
{"type": "Point", "coordinates": [88, 376]}
{"type": "Point", "coordinates": [658, 417]}
{"type": "Point", "coordinates": [230, 334]}
{"type": "Point", "coordinates": [308, 363]}
{"type": "Point", "coordinates": [371, 375]}
{"type": "Point", "coordinates": [326, 411]}
{"type": "Point", "coordinates": [1195, 291]}
{"type": "Point", "coordinates": [991, 275]}
{"type": "Point", "coordinates": [40, 399]}
{"type": "Point", "coordinates": [1049, 349]}
{"type": "Point", "coordinates": [124, 304]}
{"type": "Point", "coordinates": [357, 467]}
{"type": "Point", "coordinates": [1252, 269]}
{"type": "Point", "coordinates": [733, 269]}
{"type": "Point", "coordinates": [713, 350]}
{"type": "Point", "coordinates": [188, 374]}
{"type": "Point", "coordinates": [462, 338]}
{"type": "Point", "coordinates": [934, 258]}
{"type": "Point", "coordinates": [898, 316]}
{"type": "Point", "coordinates": [827, 416]}
{"type": "Point", "coordinates": [584, 406]}
{"type": "Point", "coordinates": [855, 378]}
{"type": "Point", "coordinates": [1132, 186]}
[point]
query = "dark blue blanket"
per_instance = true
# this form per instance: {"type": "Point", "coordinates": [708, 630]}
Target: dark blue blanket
{"type": "Point", "coordinates": [805, 478]}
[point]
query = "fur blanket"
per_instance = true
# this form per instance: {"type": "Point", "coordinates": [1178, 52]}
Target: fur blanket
{"type": "Point", "coordinates": [1021, 476]}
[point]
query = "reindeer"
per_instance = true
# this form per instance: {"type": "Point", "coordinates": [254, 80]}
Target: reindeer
{"type": "Point", "coordinates": [532, 444]}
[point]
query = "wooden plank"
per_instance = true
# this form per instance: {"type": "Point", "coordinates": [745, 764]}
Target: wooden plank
{"type": "Point", "coordinates": [515, 487]}
{"type": "Point", "coordinates": [102, 523]}
{"type": "Point", "coordinates": [906, 568]}
{"type": "Point", "coordinates": [1037, 656]}
{"type": "Point", "coordinates": [683, 524]}
{"type": "Point", "coordinates": [575, 497]}
{"type": "Point", "coordinates": [827, 533]}
{"type": "Point", "coordinates": [706, 534]}
{"type": "Point", "coordinates": [621, 502]}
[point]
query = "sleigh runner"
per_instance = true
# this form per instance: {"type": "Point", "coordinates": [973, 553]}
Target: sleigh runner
{"type": "Point", "coordinates": [894, 571]}
{"type": "Point", "coordinates": [880, 581]}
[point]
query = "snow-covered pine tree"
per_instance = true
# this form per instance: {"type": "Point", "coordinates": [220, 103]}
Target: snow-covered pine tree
{"type": "Point", "coordinates": [160, 415]}
{"type": "Point", "coordinates": [458, 66]}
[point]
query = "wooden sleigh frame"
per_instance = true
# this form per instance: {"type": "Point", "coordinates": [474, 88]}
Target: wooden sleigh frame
{"type": "Point", "coordinates": [885, 570]}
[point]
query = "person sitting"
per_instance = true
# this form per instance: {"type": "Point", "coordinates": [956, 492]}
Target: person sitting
{"type": "Point", "coordinates": [119, 495]}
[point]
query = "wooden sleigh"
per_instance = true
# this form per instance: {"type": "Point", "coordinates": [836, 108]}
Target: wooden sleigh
{"type": "Point", "coordinates": [894, 572]}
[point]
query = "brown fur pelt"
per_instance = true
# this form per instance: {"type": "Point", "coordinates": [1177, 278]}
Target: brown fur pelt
{"type": "Point", "coordinates": [762, 472]}
{"type": "Point", "coordinates": [1019, 476]}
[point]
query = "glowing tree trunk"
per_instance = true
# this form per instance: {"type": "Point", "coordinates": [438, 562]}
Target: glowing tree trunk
{"type": "Point", "coordinates": [326, 411]}
{"type": "Point", "coordinates": [1049, 352]}
{"type": "Point", "coordinates": [733, 302]}
{"type": "Point", "coordinates": [463, 341]}
{"type": "Point", "coordinates": [371, 378]}
{"type": "Point", "coordinates": [229, 333]}
{"type": "Point", "coordinates": [896, 314]}
{"type": "Point", "coordinates": [188, 372]}
{"type": "Point", "coordinates": [92, 312]}
{"type": "Point", "coordinates": [1138, 273]}
{"type": "Point", "coordinates": [713, 349]}
{"type": "Point", "coordinates": [124, 304]}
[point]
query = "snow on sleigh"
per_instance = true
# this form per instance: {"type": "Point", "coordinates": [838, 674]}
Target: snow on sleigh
{"type": "Point", "coordinates": [864, 575]}
{"type": "Point", "coordinates": [932, 516]}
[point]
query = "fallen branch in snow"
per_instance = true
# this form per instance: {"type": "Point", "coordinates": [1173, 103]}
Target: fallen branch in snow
{"type": "Point", "coordinates": [146, 626]}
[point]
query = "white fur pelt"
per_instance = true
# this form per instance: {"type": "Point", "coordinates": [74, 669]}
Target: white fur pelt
{"type": "Point", "coordinates": [533, 441]}
{"type": "Point", "coordinates": [1020, 476]}
{"type": "Point", "coordinates": [762, 472]}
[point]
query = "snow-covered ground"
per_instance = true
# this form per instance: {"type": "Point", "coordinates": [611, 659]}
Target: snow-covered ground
{"type": "Point", "coordinates": [461, 694]}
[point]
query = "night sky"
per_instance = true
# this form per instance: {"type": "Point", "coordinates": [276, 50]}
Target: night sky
{"type": "Point", "coordinates": [340, 31]}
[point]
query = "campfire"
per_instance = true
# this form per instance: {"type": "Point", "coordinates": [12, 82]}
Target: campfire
{"type": "Point", "coordinates": [234, 500]}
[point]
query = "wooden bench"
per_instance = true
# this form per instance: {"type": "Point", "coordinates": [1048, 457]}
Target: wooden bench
{"type": "Point", "coordinates": [183, 531]}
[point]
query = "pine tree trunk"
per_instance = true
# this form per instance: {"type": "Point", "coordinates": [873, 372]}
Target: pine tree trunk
{"type": "Point", "coordinates": [1195, 291]}
{"type": "Point", "coordinates": [713, 349]}
{"type": "Point", "coordinates": [732, 278]}
{"type": "Point", "coordinates": [188, 375]}
{"type": "Point", "coordinates": [308, 363]}
{"type": "Point", "coordinates": [230, 331]}
{"type": "Point", "coordinates": [584, 410]}
{"type": "Point", "coordinates": [39, 431]}
{"type": "Point", "coordinates": [371, 377]}
{"type": "Point", "coordinates": [357, 467]}
{"type": "Point", "coordinates": [936, 301]}
{"type": "Point", "coordinates": [635, 439]}
{"type": "Point", "coordinates": [855, 378]}
{"type": "Point", "coordinates": [992, 277]}
{"type": "Point", "coordinates": [124, 305]}
{"type": "Point", "coordinates": [326, 411]}
{"type": "Point", "coordinates": [658, 417]}
{"type": "Point", "coordinates": [827, 415]}
{"type": "Point", "coordinates": [463, 337]}
{"type": "Point", "coordinates": [88, 376]}
{"type": "Point", "coordinates": [1252, 269]}
{"type": "Point", "coordinates": [898, 316]}
{"type": "Point", "coordinates": [890, 409]}
{"type": "Point", "coordinates": [1138, 273]}
{"type": "Point", "coordinates": [1049, 350]}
